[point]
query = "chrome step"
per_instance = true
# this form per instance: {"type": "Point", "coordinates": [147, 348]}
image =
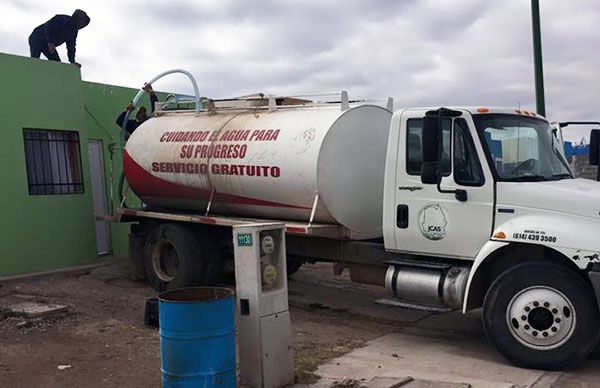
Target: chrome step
{"type": "Point", "coordinates": [412, 306]}
{"type": "Point", "coordinates": [419, 264]}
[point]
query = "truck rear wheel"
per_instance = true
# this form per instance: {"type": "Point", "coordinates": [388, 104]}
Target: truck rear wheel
{"type": "Point", "coordinates": [173, 258]}
{"type": "Point", "coordinates": [542, 316]}
{"type": "Point", "coordinates": [293, 265]}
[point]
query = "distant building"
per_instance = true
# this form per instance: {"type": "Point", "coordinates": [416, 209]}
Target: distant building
{"type": "Point", "coordinates": [576, 149]}
{"type": "Point", "coordinates": [578, 157]}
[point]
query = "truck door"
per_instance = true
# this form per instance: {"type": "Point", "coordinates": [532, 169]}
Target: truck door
{"type": "Point", "coordinates": [433, 223]}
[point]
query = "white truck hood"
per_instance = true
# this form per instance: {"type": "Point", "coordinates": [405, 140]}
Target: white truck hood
{"type": "Point", "coordinates": [571, 196]}
{"type": "Point", "coordinates": [563, 215]}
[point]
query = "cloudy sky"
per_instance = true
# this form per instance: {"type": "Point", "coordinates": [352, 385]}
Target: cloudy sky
{"type": "Point", "coordinates": [421, 52]}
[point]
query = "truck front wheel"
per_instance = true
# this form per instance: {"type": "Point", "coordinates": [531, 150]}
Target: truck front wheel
{"type": "Point", "coordinates": [173, 258]}
{"type": "Point", "coordinates": [542, 316]}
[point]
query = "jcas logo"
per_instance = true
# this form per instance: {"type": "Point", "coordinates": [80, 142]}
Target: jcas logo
{"type": "Point", "coordinates": [432, 221]}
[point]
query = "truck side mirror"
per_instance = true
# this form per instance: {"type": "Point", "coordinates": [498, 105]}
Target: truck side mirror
{"type": "Point", "coordinates": [594, 146]}
{"type": "Point", "coordinates": [430, 141]}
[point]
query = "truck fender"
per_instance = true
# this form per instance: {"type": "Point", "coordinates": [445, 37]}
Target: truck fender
{"type": "Point", "coordinates": [573, 236]}
{"type": "Point", "coordinates": [580, 257]}
{"type": "Point", "coordinates": [489, 248]}
{"type": "Point", "coordinates": [476, 282]}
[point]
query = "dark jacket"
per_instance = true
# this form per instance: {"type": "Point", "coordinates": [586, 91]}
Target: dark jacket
{"type": "Point", "coordinates": [58, 30]}
{"type": "Point", "coordinates": [132, 124]}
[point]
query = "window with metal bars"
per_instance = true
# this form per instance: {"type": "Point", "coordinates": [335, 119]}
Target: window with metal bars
{"type": "Point", "coordinates": [53, 161]}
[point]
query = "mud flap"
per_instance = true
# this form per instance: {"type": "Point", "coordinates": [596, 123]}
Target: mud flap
{"type": "Point", "coordinates": [595, 280]}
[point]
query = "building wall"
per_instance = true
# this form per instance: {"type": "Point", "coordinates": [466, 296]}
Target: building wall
{"type": "Point", "coordinates": [42, 232]}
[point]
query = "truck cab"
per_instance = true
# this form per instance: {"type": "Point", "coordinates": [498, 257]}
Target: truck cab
{"type": "Point", "coordinates": [491, 187]}
{"type": "Point", "coordinates": [490, 161]}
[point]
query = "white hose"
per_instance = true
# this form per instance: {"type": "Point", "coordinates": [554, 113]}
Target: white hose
{"type": "Point", "coordinates": [139, 95]}
{"type": "Point", "coordinates": [141, 92]}
{"type": "Point", "coordinates": [137, 99]}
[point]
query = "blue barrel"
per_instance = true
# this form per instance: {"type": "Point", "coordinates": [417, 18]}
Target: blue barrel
{"type": "Point", "coordinates": [197, 339]}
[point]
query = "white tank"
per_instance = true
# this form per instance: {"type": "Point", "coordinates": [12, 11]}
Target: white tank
{"type": "Point", "coordinates": [265, 164]}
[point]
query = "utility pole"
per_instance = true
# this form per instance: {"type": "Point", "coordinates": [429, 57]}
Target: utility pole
{"type": "Point", "coordinates": [537, 58]}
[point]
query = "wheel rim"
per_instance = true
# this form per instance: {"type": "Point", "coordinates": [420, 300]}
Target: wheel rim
{"type": "Point", "coordinates": [541, 317]}
{"type": "Point", "coordinates": [165, 261]}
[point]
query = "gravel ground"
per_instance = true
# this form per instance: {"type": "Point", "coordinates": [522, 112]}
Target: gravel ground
{"type": "Point", "coordinates": [101, 340]}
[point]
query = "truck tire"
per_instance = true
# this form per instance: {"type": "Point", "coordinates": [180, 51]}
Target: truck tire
{"type": "Point", "coordinates": [174, 258]}
{"type": "Point", "coordinates": [137, 245]}
{"type": "Point", "coordinates": [541, 315]}
{"type": "Point", "coordinates": [292, 265]}
{"type": "Point", "coordinates": [595, 354]}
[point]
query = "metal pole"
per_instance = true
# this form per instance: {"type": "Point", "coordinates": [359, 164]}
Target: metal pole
{"type": "Point", "coordinates": [597, 151]}
{"type": "Point", "coordinates": [537, 58]}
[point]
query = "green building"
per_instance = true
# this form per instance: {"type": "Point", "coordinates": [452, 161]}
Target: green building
{"type": "Point", "coordinates": [61, 164]}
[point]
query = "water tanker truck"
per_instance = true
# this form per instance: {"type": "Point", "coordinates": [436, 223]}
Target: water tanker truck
{"type": "Point", "coordinates": [459, 208]}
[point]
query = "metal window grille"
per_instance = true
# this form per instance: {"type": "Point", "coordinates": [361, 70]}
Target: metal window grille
{"type": "Point", "coordinates": [53, 161]}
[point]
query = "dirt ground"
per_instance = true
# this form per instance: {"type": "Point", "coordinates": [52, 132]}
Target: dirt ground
{"type": "Point", "coordinates": [102, 341]}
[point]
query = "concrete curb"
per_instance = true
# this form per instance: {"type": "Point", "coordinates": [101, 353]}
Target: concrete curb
{"type": "Point", "coordinates": [62, 271]}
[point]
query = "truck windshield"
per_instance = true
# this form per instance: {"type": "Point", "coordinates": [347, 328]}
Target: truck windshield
{"type": "Point", "coordinates": [522, 148]}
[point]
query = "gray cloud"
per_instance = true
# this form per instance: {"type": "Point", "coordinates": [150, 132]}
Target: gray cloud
{"type": "Point", "coordinates": [423, 53]}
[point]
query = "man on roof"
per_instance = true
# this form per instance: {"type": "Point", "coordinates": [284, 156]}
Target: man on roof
{"type": "Point", "coordinates": [56, 31]}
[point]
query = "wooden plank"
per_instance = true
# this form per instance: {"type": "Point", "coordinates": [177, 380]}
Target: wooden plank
{"type": "Point", "coordinates": [107, 217]}
{"type": "Point", "coordinates": [292, 227]}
